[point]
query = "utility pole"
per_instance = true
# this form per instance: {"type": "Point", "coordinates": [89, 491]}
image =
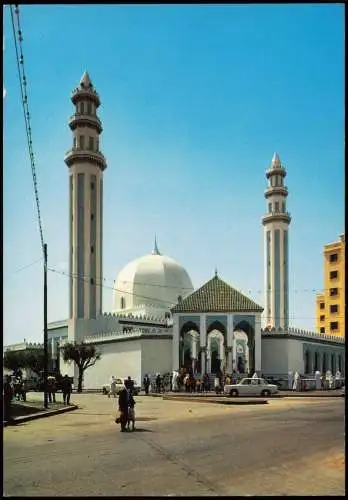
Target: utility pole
{"type": "Point", "coordinates": [45, 329]}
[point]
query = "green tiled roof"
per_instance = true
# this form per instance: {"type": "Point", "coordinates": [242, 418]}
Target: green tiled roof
{"type": "Point", "coordinates": [216, 296]}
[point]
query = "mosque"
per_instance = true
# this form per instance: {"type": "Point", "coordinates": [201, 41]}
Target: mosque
{"type": "Point", "coordinates": [159, 322]}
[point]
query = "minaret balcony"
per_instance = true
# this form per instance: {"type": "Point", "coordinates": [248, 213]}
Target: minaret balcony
{"type": "Point", "coordinates": [75, 156]}
{"type": "Point", "coordinates": [273, 190]}
{"type": "Point", "coordinates": [84, 119]}
{"type": "Point", "coordinates": [85, 93]}
{"type": "Point", "coordinates": [275, 171]}
{"type": "Point", "coordinates": [276, 217]}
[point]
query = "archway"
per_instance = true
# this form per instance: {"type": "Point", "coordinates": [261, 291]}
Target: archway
{"type": "Point", "coordinates": [249, 331]}
{"type": "Point", "coordinates": [324, 362]}
{"type": "Point", "coordinates": [189, 346]}
{"type": "Point", "coordinates": [316, 361]}
{"type": "Point", "coordinates": [215, 351]}
{"type": "Point", "coordinates": [241, 352]}
{"type": "Point", "coordinates": [308, 368]}
{"type": "Point", "coordinates": [333, 363]}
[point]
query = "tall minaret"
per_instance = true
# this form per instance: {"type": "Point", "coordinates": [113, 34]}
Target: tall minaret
{"type": "Point", "coordinates": [276, 223]}
{"type": "Point", "coordinates": [86, 165]}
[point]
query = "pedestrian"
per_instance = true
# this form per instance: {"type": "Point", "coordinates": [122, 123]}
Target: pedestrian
{"type": "Point", "coordinates": [66, 389]}
{"type": "Point", "coordinates": [158, 383]}
{"type": "Point", "coordinates": [123, 404]}
{"type": "Point", "coordinates": [146, 383]}
{"type": "Point", "coordinates": [8, 395]}
{"type": "Point", "coordinates": [112, 387]}
{"type": "Point", "coordinates": [51, 389]}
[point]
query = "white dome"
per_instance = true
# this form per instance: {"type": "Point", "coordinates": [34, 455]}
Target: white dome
{"type": "Point", "coordinates": [152, 282]}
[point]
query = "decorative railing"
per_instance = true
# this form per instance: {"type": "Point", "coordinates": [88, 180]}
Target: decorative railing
{"type": "Point", "coordinates": [304, 333]}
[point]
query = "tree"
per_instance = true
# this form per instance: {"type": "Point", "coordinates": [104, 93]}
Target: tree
{"type": "Point", "coordinates": [83, 355]}
{"type": "Point", "coordinates": [32, 359]}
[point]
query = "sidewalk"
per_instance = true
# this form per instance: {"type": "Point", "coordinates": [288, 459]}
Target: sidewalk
{"type": "Point", "coordinates": [280, 394]}
{"type": "Point", "coordinates": [31, 410]}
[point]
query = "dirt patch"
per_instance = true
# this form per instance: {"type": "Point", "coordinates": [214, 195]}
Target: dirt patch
{"type": "Point", "coordinates": [335, 461]}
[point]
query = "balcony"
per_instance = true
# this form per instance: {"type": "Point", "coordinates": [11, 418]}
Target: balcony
{"type": "Point", "coordinates": [85, 119]}
{"type": "Point", "coordinates": [83, 93]}
{"type": "Point", "coordinates": [275, 171]}
{"type": "Point", "coordinates": [280, 190]}
{"type": "Point", "coordinates": [276, 216]}
{"type": "Point", "coordinates": [76, 155]}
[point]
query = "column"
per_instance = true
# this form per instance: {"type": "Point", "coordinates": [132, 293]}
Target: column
{"type": "Point", "coordinates": [230, 343]}
{"type": "Point", "coordinates": [203, 330]}
{"type": "Point", "coordinates": [229, 360]}
{"type": "Point", "coordinates": [175, 345]}
{"type": "Point", "coordinates": [208, 356]}
{"type": "Point", "coordinates": [203, 365]}
{"type": "Point", "coordinates": [257, 359]}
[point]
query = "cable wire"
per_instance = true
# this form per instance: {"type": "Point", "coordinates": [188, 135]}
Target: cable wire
{"type": "Point", "coordinates": [24, 95]}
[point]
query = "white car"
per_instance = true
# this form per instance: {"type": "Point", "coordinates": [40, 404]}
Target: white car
{"type": "Point", "coordinates": [251, 387]}
{"type": "Point", "coordinates": [119, 385]}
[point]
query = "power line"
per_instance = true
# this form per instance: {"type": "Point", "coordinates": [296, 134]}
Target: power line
{"type": "Point", "coordinates": [24, 95]}
{"type": "Point", "coordinates": [249, 290]}
{"type": "Point", "coordinates": [86, 279]}
{"type": "Point", "coordinates": [26, 267]}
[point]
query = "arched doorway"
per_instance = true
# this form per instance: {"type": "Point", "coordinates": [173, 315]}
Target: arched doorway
{"type": "Point", "coordinates": [316, 361]}
{"type": "Point", "coordinates": [241, 352]}
{"type": "Point", "coordinates": [189, 346]}
{"type": "Point", "coordinates": [308, 368]}
{"type": "Point", "coordinates": [333, 363]}
{"type": "Point", "coordinates": [249, 331]}
{"type": "Point", "coordinates": [324, 362]}
{"type": "Point", "coordinates": [215, 351]}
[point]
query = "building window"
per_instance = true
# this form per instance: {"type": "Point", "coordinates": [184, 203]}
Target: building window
{"type": "Point", "coordinates": [333, 292]}
{"type": "Point", "coordinates": [334, 325]}
{"type": "Point", "coordinates": [322, 317]}
{"type": "Point", "coordinates": [82, 108]}
{"type": "Point", "coordinates": [333, 275]}
{"type": "Point", "coordinates": [89, 108]}
{"type": "Point", "coordinates": [97, 144]}
{"type": "Point", "coordinates": [91, 144]}
{"type": "Point", "coordinates": [92, 216]}
{"type": "Point", "coordinates": [92, 249]}
{"type": "Point", "coordinates": [322, 305]}
{"type": "Point", "coordinates": [82, 142]}
{"type": "Point", "coordinates": [123, 303]}
{"type": "Point", "coordinates": [333, 257]}
{"type": "Point", "coordinates": [334, 308]}
{"type": "Point", "coordinates": [92, 281]}
{"type": "Point", "coordinates": [92, 186]}
{"type": "Point", "coordinates": [283, 206]}
{"type": "Point", "coordinates": [74, 143]}
{"type": "Point", "coordinates": [277, 206]}
{"type": "Point", "coordinates": [270, 207]}
{"type": "Point", "coordinates": [322, 330]}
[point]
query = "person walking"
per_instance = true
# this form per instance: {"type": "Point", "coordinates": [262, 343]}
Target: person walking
{"type": "Point", "coordinates": [8, 395]}
{"type": "Point", "coordinates": [66, 389]}
{"type": "Point", "coordinates": [146, 384]}
{"type": "Point", "coordinates": [123, 405]}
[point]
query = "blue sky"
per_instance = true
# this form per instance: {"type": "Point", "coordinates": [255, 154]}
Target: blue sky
{"type": "Point", "coordinates": [195, 100]}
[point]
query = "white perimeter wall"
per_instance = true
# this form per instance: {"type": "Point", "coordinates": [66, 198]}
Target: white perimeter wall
{"type": "Point", "coordinates": [156, 356]}
{"type": "Point", "coordinates": [274, 356]}
{"type": "Point", "coordinates": [295, 356]}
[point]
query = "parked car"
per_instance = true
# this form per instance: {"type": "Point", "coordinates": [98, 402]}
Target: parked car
{"type": "Point", "coordinates": [119, 385]}
{"type": "Point", "coordinates": [251, 387]}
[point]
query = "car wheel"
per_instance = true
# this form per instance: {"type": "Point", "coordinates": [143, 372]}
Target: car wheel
{"type": "Point", "coordinates": [104, 390]}
{"type": "Point", "coordinates": [265, 393]}
{"type": "Point", "coordinates": [234, 392]}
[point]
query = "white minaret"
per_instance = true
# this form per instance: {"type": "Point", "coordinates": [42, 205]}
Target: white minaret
{"type": "Point", "coordinates": [86, 165]}
{"type": "Point", "coordinates": [276, 223]}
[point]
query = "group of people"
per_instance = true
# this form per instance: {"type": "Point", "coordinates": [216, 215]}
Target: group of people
{"type": "Point", "coordinates": [298, 382]}
{"type": "Point", "coordinates": [126, 406]}
{"type": "Point", "coordinates": [188, 382]}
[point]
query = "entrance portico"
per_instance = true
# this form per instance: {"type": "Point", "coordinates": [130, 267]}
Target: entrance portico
{"type": "Point", "coordinates": [204, 326]}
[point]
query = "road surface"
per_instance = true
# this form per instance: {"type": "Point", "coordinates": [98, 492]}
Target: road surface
{"type": "Point", "coordinates": [287, 447]}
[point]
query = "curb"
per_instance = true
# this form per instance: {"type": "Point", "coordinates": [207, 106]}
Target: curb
{"type": "Point", "coordinates": [43, 414]}
{"type": "Point", "coordinates": [222, 401]}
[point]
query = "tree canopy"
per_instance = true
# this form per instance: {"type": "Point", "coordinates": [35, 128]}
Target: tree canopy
{"type": "Point", "coordinates": [32, 359]}
{"type": "Point", "coordinates": [83, 355]}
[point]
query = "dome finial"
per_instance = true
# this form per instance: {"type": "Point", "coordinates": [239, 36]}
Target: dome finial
{"type": "Point", "coordinates": [86, 80]}
{"type": "Point", "coordinates": [216, 272]}
{"type": "Point", "coordinates": [155, 250]}
{"type": "Point", "coordinates": [276, 160]}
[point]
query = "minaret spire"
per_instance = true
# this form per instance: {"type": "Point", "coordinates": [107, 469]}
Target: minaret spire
{"type": "Point", "coordinates": [86, 165]}
{"type": "Point", "coordinates": [155, 250]}
{"type": "Point", "coordinates": [276, 223]}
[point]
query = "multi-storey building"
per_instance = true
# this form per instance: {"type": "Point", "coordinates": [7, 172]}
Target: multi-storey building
{"type": "Point", "coordinates": [330, 305]}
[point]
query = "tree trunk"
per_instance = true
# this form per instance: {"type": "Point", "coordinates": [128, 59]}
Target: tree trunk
{"type": "Point", "coordinates": [80, 380]}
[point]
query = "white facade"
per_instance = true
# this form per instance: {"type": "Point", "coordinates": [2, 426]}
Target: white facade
{"type": "Point", "coordinates": [276, 271]}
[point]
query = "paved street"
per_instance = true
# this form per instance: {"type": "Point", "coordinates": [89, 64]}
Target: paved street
{"type": "Point", "coordinates": [292, 446]}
